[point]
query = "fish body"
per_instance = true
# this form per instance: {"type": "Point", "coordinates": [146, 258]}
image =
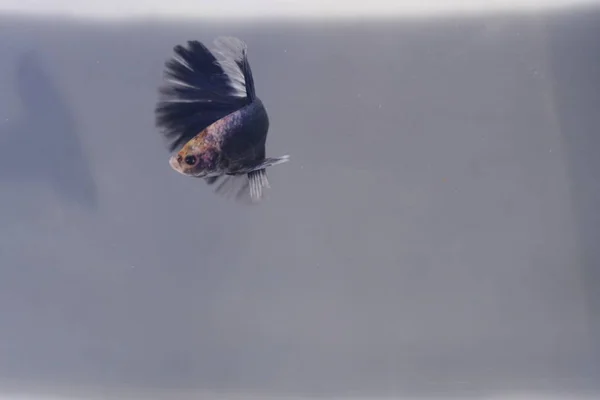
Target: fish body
{"type": "Point", "coordinates": [217, 124]}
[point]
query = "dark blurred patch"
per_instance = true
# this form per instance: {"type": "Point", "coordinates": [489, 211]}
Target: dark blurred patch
{"type": "Point", "coordinates": [42, 146]}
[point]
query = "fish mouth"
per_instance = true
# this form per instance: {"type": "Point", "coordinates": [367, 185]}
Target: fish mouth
{"type": "Point", "coordinates": [175, 165]}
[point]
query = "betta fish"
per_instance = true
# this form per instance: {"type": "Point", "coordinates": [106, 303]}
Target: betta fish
{"type": "Point", "coordinates": [210, 112]}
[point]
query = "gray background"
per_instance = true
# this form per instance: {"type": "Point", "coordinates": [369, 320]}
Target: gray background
{"type": "Point", "coordinates": [433, 234]}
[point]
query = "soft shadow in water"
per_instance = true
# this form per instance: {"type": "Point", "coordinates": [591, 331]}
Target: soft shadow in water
{"type": "Point", "coordinates": [43, 145]}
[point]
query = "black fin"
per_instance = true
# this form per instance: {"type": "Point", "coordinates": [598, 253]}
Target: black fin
{"type": "Point", "coordinates": [228, 186]}
{"type": "Point", "coordinates": [245, 188]}
{"type": "Point", "coordinates": [212, 179]}
{"type": "Point", "coordinates": [202, 89]}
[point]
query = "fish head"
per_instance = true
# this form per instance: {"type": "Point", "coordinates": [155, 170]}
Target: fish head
{"type": "Point", "coordinates": [198, 160]}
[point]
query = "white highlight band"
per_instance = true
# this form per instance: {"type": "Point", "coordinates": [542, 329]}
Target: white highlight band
{"type": "Point", "coordinates": [116, 9]}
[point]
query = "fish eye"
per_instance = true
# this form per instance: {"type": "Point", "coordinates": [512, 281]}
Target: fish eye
{"type": "Point", "coordinates": [190, 160]}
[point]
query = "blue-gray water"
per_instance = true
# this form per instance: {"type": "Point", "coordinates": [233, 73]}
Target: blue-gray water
{"type": "Point", "coordinates": [434, 233]}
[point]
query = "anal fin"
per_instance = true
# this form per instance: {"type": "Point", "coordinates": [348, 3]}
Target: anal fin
{"type": "Point", "coordinates": [258, 180]}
